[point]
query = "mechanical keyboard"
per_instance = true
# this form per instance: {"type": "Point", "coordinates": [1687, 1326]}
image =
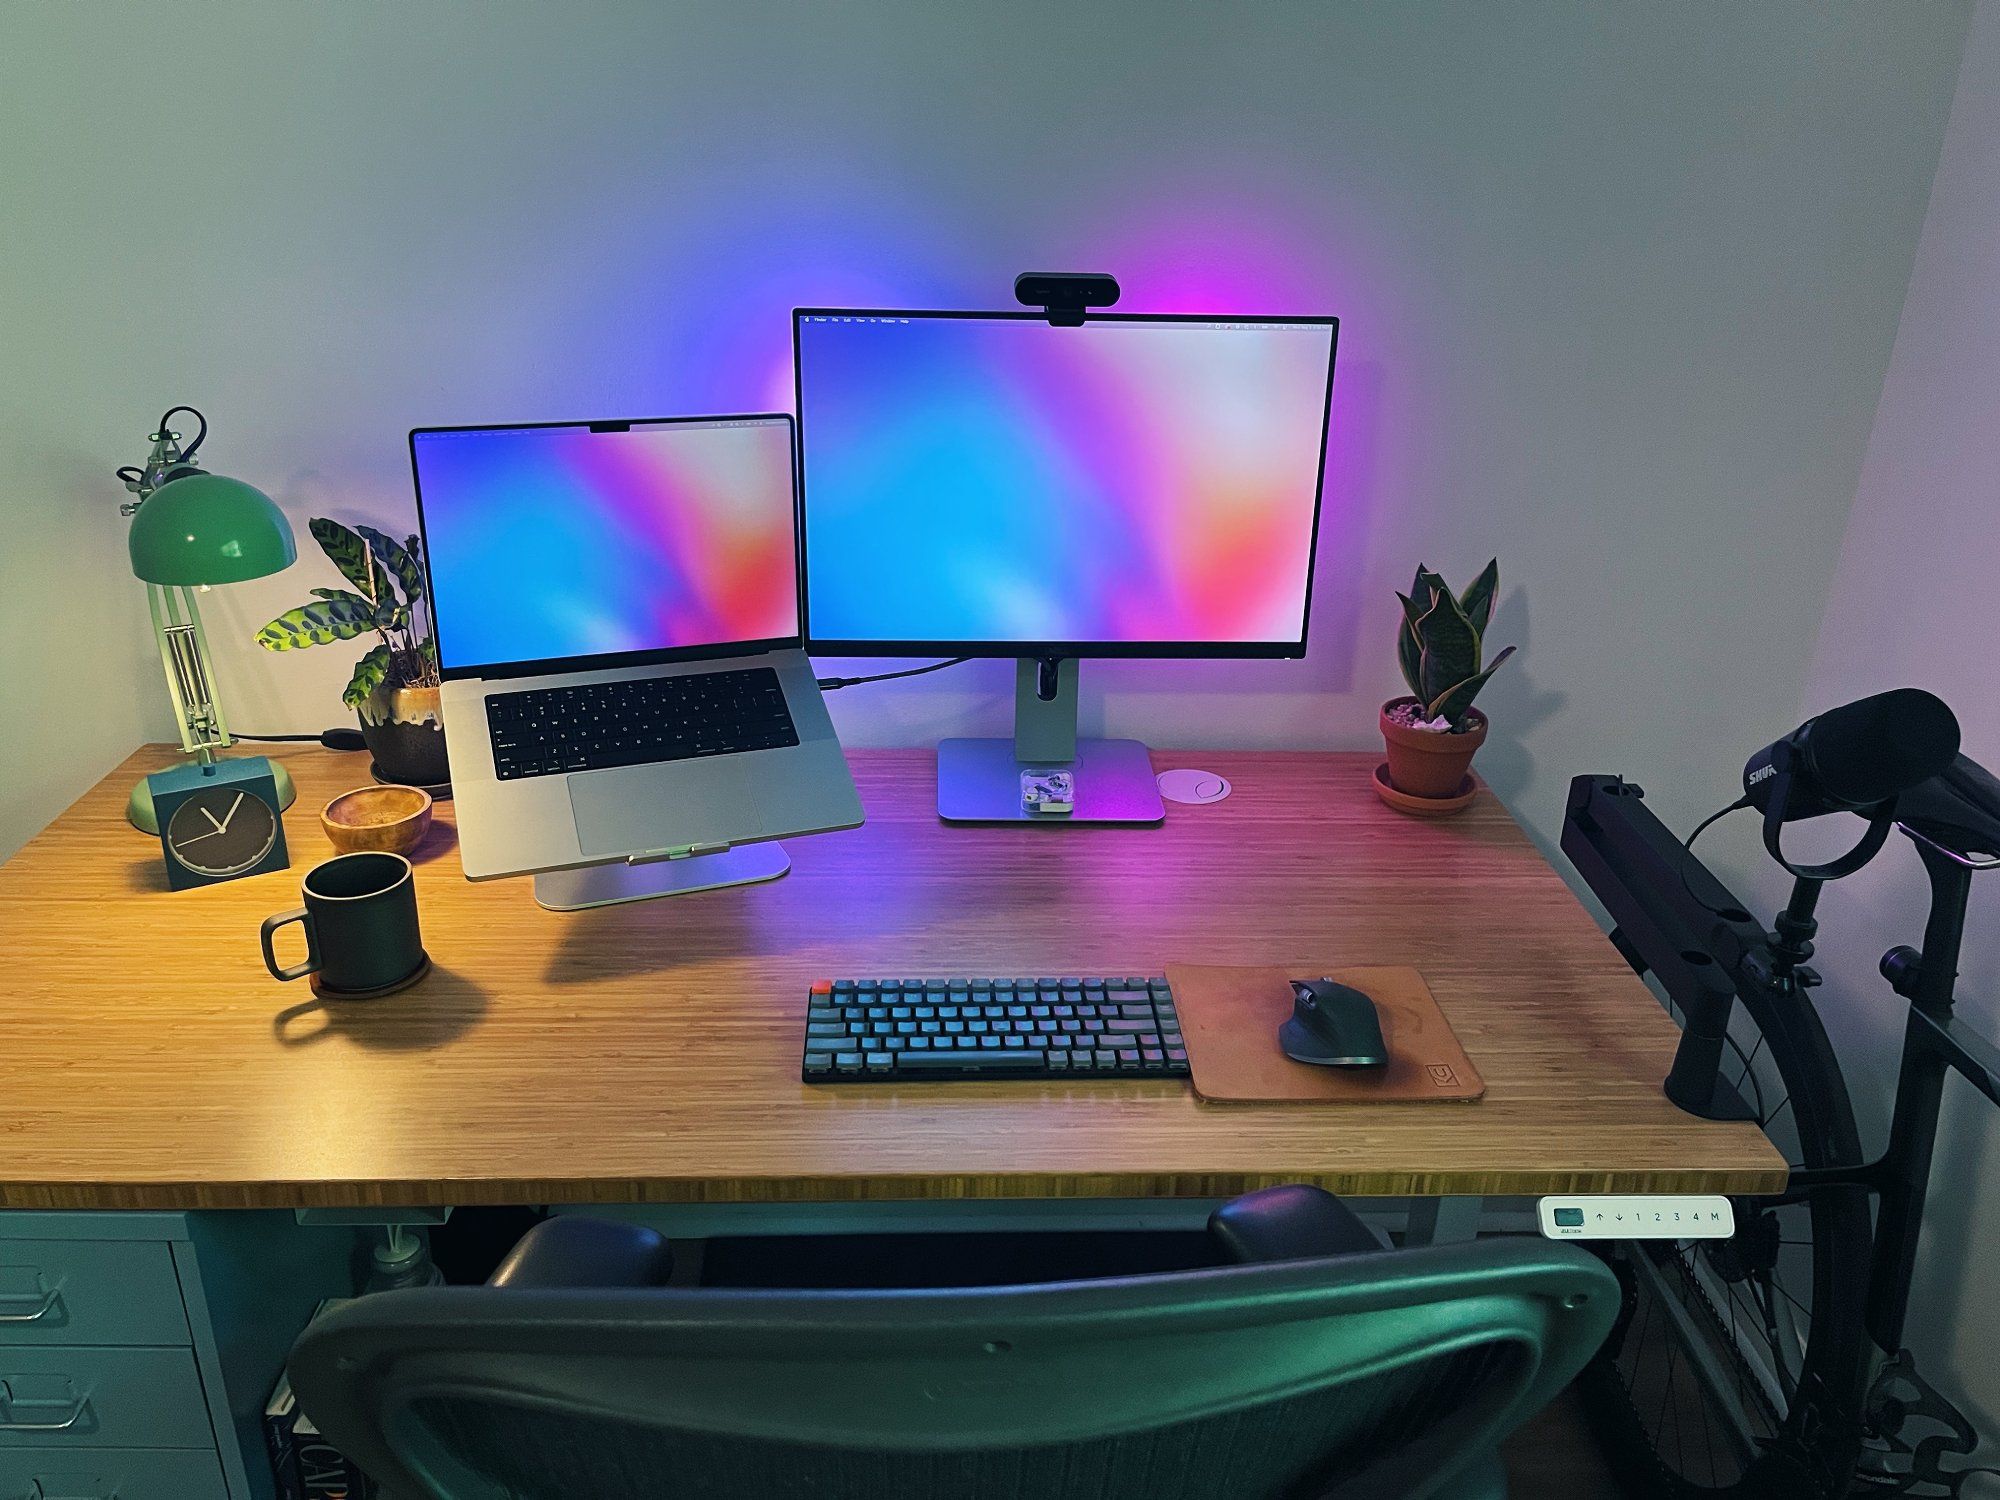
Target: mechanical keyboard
{"type": "Point", "coordinates": [869, 1030]}
{"type": "Point", "coordinates": [632, 721]}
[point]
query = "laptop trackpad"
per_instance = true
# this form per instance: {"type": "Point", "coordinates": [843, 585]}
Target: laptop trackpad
{"type": "Point", "coordinates": [644, 809]}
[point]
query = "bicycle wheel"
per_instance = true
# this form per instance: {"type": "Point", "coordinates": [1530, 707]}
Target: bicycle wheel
{"type": "Point", "coordinates": [1736, 1366]}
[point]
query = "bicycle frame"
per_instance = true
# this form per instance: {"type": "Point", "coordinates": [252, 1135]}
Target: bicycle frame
{"type": "Point", "coordinates": [1674, 918]}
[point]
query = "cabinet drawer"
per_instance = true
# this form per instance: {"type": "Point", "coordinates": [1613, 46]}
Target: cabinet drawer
{"type": "Point", "coordinates": [110, 1474]}
{"type": "Point", "coordinates": [101, 1398]}
{"type": "Point", "coordinates": [89, 1292]}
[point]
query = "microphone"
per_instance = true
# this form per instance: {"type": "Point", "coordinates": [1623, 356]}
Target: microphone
{"type": "Point", "coordinates": [1853, 758]}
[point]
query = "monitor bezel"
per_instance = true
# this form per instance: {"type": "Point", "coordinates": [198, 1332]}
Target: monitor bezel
{"type": "Point", "coordinates": [611, 660]}
{"type": "Point", "coordinates": [1131, 650]}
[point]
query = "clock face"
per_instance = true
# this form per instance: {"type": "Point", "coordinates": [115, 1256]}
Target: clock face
{"type": "Point", "coordinates": [222, 831]}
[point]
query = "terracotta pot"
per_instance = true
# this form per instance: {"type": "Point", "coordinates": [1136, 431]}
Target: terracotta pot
{"type": "Point", "coordinates": [405, 733]}
{"type": "Point", "coordinates": [1429, 762]}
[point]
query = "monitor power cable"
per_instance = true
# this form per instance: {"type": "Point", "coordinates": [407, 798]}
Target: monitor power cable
{"type": "Point", "coordinates": [831, 684]}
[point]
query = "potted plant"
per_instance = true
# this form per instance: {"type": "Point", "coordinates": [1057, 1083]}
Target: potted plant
{"type": "Point", "coordinates": [1433, 733]}
{"type": "Point", "coordinates": [394, 688]}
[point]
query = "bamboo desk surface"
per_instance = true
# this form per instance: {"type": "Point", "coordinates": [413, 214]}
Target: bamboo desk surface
{"type": "Point", "coordinates": [649, 1053]}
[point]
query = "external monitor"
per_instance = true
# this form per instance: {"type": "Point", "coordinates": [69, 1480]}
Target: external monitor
{"type": "Point", "coordinates": [989, 484]}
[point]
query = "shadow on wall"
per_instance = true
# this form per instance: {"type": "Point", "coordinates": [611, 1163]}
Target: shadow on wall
{"type": "Point", "coordinates": [1516, 705]}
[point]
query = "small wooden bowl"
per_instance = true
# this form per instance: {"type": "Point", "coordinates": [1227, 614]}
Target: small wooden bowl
{"type": "Point", "coordinates": [391, 819]}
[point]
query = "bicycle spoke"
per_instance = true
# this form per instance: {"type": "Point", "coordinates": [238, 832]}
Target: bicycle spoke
{"type": "Point", "coordinates": [1707, 1437]}
{"type": "Point", "coordinates": [1667, 1397]}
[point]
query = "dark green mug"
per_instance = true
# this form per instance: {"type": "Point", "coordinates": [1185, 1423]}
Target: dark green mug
{"type": "Point", "coordinates": [360, 922]}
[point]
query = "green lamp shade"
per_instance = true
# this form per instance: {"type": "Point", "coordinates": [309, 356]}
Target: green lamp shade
{"type": "Point", "coordinates": [205, 528]}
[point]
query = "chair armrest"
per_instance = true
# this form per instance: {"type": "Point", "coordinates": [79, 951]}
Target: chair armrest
{"type": "Point", "coordinates": [569, 1251]}
{"type": "Point", "coordinates": [1294, 1222]}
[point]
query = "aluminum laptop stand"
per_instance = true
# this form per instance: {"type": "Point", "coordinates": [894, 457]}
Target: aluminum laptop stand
{"type": "Point", "coordinates": [622, 880]}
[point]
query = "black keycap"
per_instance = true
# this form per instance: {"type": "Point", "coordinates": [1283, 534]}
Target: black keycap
{"type": "Point", "coordinates": [967, 1062]}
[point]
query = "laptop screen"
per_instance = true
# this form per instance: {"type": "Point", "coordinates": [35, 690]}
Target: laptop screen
{"type": "Point", "coordinates": [605, 539]}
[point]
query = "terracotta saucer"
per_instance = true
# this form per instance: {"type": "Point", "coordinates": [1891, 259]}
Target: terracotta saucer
{"type": "Point", "coordinates": [1425, 807]}
{"type": "Point", "coordinates": [325, 993]}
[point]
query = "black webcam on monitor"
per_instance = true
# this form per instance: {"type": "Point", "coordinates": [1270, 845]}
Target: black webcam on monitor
{"type": "Point", "coordinates": [1064, 295]}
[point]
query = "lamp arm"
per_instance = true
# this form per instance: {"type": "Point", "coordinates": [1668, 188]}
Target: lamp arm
{"type": "Point", "coordinates": [160, 606]}
{"type": "Point", "coordinates": [190, 681]}
{"type": "Point", "coordinates": [220, 739]}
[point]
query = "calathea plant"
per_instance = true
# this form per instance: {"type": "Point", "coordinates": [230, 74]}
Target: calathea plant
{"type": "Point", "coordinates": [1441, 647]}
{"type": "Point", "coordinates": [387, 578]}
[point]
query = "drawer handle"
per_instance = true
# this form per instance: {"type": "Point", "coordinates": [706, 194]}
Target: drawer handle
{"type": "Point", "coordinates": [42, 1492]}
{"type": "Point", "coordinates": [46, 1306]}
{"type": "Point", "coordinates": [79, 1408]}
{"type": "Point", "coordinates": [77, 1413]}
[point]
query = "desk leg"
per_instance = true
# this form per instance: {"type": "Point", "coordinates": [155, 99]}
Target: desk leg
{"type": "Point", "coordinates": [1444, 1221]}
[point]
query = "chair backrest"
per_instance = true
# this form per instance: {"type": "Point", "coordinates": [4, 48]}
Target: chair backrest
{"type": "Point", "coordinates": [1358, 1376]}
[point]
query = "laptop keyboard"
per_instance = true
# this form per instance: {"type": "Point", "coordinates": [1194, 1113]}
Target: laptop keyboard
{"type": "Point", "coordinates": [634, 721]}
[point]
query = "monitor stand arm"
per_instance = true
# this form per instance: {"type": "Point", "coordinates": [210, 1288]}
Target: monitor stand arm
{"type": "Point", "coordinates": [979, 781]}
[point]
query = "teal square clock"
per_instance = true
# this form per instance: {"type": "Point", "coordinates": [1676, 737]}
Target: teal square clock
{"type": "Point", "coordinates": [218, 822]}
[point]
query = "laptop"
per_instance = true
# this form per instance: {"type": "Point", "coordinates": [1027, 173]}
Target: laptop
{"type": "Point", "coordinates": [616, 609]}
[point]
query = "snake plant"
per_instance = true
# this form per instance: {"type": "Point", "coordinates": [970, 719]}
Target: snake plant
{"type": "Point", "coordinates": [1440, 645]}
{"type": "Point", "coordinates": [387, 578]}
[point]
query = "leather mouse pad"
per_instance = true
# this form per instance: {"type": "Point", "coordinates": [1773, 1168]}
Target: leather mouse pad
{"type": "Point", "coordinates": [1230, 1017]}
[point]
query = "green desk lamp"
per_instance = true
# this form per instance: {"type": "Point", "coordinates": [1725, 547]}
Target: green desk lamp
{"type": "Point", "coordinates": [191, 530]}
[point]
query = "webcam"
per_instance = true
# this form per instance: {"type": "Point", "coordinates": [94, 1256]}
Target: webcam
{"type": "Point", "coordinates": [1064, 295]}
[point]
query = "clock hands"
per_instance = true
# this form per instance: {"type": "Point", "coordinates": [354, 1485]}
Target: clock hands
{"type": "Point", "coordinates": [221, 827]}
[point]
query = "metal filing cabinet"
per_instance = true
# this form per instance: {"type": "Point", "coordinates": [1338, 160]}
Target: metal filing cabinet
{"type": "Point", "coordinates": [137, 1350]}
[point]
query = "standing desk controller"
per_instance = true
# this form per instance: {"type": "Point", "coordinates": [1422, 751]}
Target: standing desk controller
{"type": "Point", "coordinates": [1640, 1216]}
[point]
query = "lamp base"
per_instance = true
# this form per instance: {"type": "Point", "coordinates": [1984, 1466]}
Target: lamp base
{"type": "Point", "coordinates": [139, 806]}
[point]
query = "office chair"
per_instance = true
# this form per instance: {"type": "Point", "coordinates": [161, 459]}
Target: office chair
{"type": "Point", "coordinates": [1314, 1365]}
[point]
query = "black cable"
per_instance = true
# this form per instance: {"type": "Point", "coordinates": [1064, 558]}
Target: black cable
{"type": "Point", "coordinates": [187, 453]}
{"type": "Point", "coordinates": [333, 739]}
{"type": "Point", "coordinates": [1687, 853]}
{"type": "Point", "coordinates": [830, 684]}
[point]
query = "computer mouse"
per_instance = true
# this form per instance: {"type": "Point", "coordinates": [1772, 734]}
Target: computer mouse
{"type": "Point", "coordinates": [1332, 1026]}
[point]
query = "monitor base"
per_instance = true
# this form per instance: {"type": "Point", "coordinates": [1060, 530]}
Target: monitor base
{"type": "Point", "coordinates": [979, 781]}
{"type": "Point", "coordinates": [614, 884]}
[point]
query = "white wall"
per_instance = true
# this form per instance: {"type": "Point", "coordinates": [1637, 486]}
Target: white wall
{"type": "Point", "coordinates": [74, 644]}
{"type": "Point", "coordinates": [1913, 602]}
{"type": "Point", "coordinates": [1619, 286]}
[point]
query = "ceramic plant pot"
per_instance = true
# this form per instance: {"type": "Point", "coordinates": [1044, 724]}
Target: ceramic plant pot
{"type": "Point", "coordinates": [405, 735]}
{"type": "Point", "coordinates": [1429, 763]}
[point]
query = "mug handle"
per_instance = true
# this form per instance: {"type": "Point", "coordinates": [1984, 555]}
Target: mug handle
{"type": "Point", "coordinates": [271, 925]}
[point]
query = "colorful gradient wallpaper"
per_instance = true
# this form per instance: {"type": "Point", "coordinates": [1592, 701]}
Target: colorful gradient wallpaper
{"type": "Point", "coordinates": [559, 541]}
{"type": "Point", "coordinates": [995, 480]}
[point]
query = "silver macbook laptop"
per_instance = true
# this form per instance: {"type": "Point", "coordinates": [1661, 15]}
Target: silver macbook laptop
{"type": "Point", "coordinates": [617, 620]}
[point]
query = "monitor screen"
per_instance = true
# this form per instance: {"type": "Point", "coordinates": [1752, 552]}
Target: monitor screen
{"type": "Point", "coordinates": [987, 484]}
{"type": "Point", "coordinates": [607, 538]}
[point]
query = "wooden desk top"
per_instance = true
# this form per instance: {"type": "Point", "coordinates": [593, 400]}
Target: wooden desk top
{"type": "Point", "coordinates": [650, 1052]}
